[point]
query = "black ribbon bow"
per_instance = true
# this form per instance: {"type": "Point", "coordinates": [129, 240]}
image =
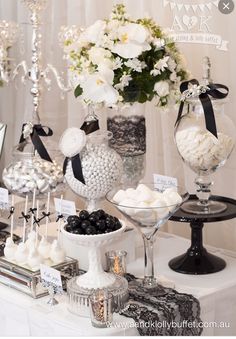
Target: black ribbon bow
{"type": "Point", "coordinates": [39, 130]}
{"type": "Point", "coordinates": [59, 216]}
{"type": "Point", "coordinates": [45, 215]}
{"type": "Point", "coordinates": [25, 216]}
{"type": "Point", "coordinates": [33, 210]}
{"type": "Point", "coordinates": [12, 210]}
{"type": "Point", "coordinates": [88, 127]}
{"type": "Point", "coordinates": [212, 90]}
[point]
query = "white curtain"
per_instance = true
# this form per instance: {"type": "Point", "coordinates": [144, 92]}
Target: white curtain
{"type": "Point", "coordinates": [16, 103]}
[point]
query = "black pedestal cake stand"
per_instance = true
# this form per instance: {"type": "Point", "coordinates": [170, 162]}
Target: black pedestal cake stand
{"type": "Point", "coordinates": [197, 260]}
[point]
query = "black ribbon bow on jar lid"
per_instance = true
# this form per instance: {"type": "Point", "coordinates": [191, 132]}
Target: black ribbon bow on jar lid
{"type": "Point", "coordinates": [192, 89]}
{"type": "Point", "coordinates": [34, 132]}
{"type": "Point", "coordinates": [72, 142]}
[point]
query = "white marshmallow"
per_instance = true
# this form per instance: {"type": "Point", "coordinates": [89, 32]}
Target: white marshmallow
{"type": "Point", "coordinates": [143, 211]}
{"type": "Point", "coordinates": [119, 196]}
{"type": "Point", "coordinates": [131, 193]}
{"type": "Point", "coordinates": [170, 190]}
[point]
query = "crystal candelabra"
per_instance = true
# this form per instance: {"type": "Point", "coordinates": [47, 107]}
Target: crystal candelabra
{"type": "Point", "coordinates": [8, 35]}
{"type": "Point", "coordinates": [36, 73]}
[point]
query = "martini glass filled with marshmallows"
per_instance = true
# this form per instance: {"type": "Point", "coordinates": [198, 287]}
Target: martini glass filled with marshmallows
{"type": "Point", "coordinates": [148, 209]}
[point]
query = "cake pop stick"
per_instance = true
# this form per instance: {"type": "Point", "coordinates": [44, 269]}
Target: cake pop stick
{"type": "Point", "coordinates": [47, 211]}
{"type": "Point", "coordinates": [37, 226]}
{"type": "Point", "coordinates": [24, 225]}
{"type": "Point", "coordinates": [33, 206]}
{"type": "Point", "coordinates": [60, 214]}
{"type": "Point", "coordinates": [12, 214]}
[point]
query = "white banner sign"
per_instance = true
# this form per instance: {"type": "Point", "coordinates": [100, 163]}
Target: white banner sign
{"type": "Point", "coordinates": [194, 7]}
{"type": "Point", "coordinates": [201, 38]}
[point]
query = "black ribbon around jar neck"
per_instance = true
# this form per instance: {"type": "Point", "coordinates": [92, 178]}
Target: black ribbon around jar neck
{"type": "Point", "coordinates": [88, 127]}
{"type": "Point", "coordinates": [212, 90]}
{"type": "Point", "coordinates": [39, 130]}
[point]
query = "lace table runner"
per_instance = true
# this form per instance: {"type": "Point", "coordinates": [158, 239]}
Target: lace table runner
{"type": "Point", "coordinates": [162, 311]}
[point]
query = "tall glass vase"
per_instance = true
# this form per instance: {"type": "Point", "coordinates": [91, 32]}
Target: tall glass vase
{"type": "Point", "coordinates": [128, 127]}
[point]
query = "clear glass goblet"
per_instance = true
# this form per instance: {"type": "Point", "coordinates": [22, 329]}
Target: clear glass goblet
{"type": "Point", "coordinates": [147, 220]}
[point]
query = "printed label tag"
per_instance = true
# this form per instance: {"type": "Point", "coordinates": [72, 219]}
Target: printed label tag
{"type": "Point", "coordinates": [65, 207]}
{"type": "Point", "coordinates": [50, 276]}
{"type": "Point", "coordinates": [4, 196]}
{"type": "Point", "coordinates": [162, 182]}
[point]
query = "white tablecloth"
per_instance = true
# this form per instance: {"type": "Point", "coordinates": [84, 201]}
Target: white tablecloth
{"type": "Point", "coordinates": [21, 315]}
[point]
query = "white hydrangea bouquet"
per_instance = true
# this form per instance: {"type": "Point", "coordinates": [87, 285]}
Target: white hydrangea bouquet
{"type": "Point", "coordinates": [121, 60]}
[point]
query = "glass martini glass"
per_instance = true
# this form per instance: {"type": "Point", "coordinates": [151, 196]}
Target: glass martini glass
{"type": "Point", "coordinates": [148, 220]}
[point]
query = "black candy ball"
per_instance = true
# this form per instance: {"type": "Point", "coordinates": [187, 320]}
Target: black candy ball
{"type": "Point", "coordinates": [83, 215]}
{"type": "Point", "coordinates": [73, 218]}
{"type": "Point", "coordinates": [90, 230]}
{"type": "Point", "coordinates": [85, 224]}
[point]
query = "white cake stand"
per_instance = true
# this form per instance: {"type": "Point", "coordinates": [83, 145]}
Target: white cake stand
{"type": "Point", "coordinates": [79, 288]}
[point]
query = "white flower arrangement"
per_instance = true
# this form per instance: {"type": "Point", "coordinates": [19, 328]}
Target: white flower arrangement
{"type": "Point", "coordinates": [120, 60]}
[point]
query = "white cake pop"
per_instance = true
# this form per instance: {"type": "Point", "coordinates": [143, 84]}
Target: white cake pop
{"type": "Point", "coordinates": [34, 259]}
{"type": "Point", "coordinates": [44, 248]}
{"type": "Point", "coordinates": [30, 242]}
{"type": "Point", "coordinates": [57, 254]}
{"type": "Point", "coordinates": [21, 254]}
{"type": "Point", "coordinates": [10, 249]}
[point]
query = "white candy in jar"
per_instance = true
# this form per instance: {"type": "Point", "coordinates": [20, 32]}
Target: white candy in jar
{"type": "Point", "coordinates": [102, 169]}
{"type": "Point", "coordinates": [23, 178]}
{"type": "Point", "coordinates": [201, 149]}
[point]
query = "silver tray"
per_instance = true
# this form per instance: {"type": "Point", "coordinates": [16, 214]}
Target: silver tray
{"type": "Point", "coordinates": [28, 282]}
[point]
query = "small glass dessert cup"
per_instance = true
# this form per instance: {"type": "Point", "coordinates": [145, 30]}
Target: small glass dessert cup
{"type": "Point", "coordinates": [148, 220]}
{"type": "Point", "coordinates": [81, 287]}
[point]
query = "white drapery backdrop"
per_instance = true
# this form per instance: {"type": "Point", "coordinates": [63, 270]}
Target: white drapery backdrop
{"type": "Point", "coordinates": [16, 103]}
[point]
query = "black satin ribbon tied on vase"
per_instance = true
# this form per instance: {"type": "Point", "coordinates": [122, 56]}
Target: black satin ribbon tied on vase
{"type": "Point", "coordinates": [210, 90]}
{"type": "Point", "coordinates": [88, 127]}
{"type": "Point", "coordinates": [37, 132]}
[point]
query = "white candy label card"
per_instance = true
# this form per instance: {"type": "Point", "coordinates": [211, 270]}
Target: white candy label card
{"type": "Point", "coordinates": [4, 197]}
{"type": "Point", "coordinates": [162, 182]}
{"type": "Point", "coordinates": [65, 207]}
{"type": "Point", "coordinates": [50, 276]}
